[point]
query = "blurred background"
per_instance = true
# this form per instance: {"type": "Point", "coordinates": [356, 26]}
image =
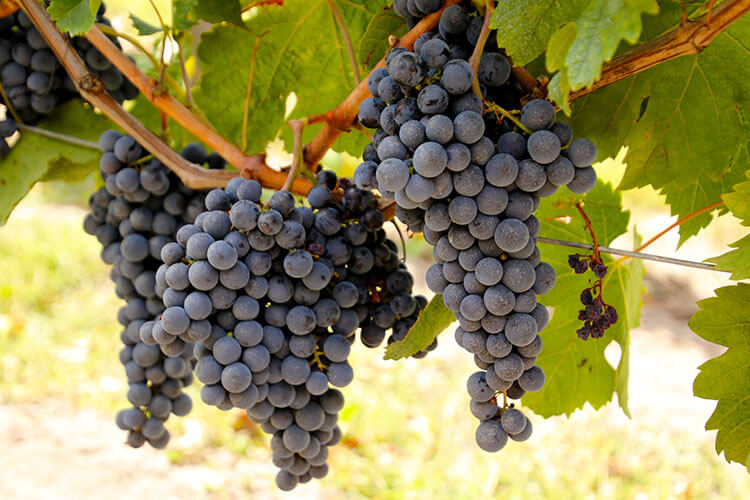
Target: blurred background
{"type": "Point", "coordinates": [407, 428]}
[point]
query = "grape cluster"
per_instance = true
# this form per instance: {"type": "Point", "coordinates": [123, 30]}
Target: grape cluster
{"type": "Point", "coordinates": [155, 386]}
{"type": "Point", "coordinates": [135, 216]}
{"type": "Point", "coordinates": [272, 297]}
{"type": "Point", "coordinates": [33, 78]}
{"type": "Point", "coordinates": [470, 180]}
{"type": "Point", "coordinates": [597, 315]}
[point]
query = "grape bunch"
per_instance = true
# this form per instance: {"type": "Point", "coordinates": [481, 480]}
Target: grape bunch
{"type": "Point", "coordinates": [134, 216]}
{"type": "Point", "coordinates": [597, 315]}
{"type": "Point", "coordinates": [470, 180]}
{"type": "Point", "coordinates": [155, 386]}
{"type": "Point", "coordinates": [272, 297]}
{"type": "Point", "coordinates": [32, 77]}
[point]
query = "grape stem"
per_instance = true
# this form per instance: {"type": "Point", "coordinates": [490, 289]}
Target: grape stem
{"type": "Point", "coordinates": [691, 37]}
{"type": "Point", "coordinates": [8, 8]}
{"type": "Point", "coordinates": [632, 254]}
{"type": "Point", "coordinates": [476, 56]}
{"type": "Point", "coordinates": [680, 222]}
{"type": "Point", "coordinates": [590, 228]}
{"type": "Point", "coordinates": [165, 36]}
{"type": "Point", "coordinates": [499, 110]}
{"type": "Point", "coordinates": [185, 76]}
{"type": "Point", "coordinates": [108, 30]}
{"type": "Point", "coordinates": [298, 126]}
{"type": "Point", "coordinates": [596, 257]}
{"type": "Point", "coordinates": [403, 241]}
{"type": "Point", "coordinates": [527, 82]}
{"type": "Point", "coordinates": [9, 105]}
{"type": "Point", "coordinates": [710, 12]}
{"type": "Point", "coordinates": [57, 136]}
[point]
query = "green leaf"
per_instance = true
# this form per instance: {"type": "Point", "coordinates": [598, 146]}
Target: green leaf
{"type": "Point", "coordinates": [684, 122]}
{"type": "Point", "coordinates": [599, 30]}
{"type": "Point", "coordinates": [374, 43]}
{"type": "Point", "coordinates": [725, 320]}
{"type": "Point", "coordinates": [738, 201]}
{"type": "Point", "coordinates": [74, 16]}
{"type": "Point", "coordinates": [354, 142]}
{"type": "Point", "coordinates": [181, 18]}
{"type": "Point", "coordinates": [558, 91]}
{"type": "Point", "coordinates": [297, 47]}
{"type": "Point", "coordinates": [524, 27]}
{"type": "Point", "coordinates": [737, 261]}
{"type": "Point", "coordinates": [143, 27]}
{"type": "Point", "coordinates": [216, 11]}
{"type": "Point", "coordinates": [559, 45]}
{"type": "Point", "coordinates": [431, 322]}
{"type": "Point", "coordinates": [577, 371]}
{"type": "Point", "coordinates": [233, 69]}
{"type": "Point", "coordinates": [37, 158]}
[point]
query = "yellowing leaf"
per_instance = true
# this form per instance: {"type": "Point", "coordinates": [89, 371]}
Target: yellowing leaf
{"type": "Point", "coordinates": [432, 321]}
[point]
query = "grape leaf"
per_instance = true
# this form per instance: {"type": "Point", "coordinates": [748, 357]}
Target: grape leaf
{"type": "Point", "coordinates": [216, 11]}
{"type": "Point", "coordinates": [684, 122]}
{"type": "Point", "coordinates": [298, 47]}
{"type": "Point", "coordinates": [74, 16]}
{"type": "Point", "coordinates": [737, 261]}
{"type": "Point", "coordinates": [524, 27]}
{"type": "Point", "coordinates": [181, 14]}
{"type": "Point", "coordinates": [725, 320]}
{"type": "Point", "coordinates": [431, 322]}
{"type": "Point", "coordinates": [232, 69]}
{"type": "Point", "coordinates": [577, 371]}
{"type": "Point", "coordinates": [559, 45]}
{"type": "Point", "coordinates": [35, 157]}
{"type": "Point", "coordinates": [374, 43]}
{"type": "Point", "coordinates": [143, 27]}
{"type": "Point", "coordinates": [598, 32]}
{"type": "Point", "coordinates": [738, 201]}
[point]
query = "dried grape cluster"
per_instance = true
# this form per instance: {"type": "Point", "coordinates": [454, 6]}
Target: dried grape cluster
{"type": "Point", "coordinates": [597, 315]}
{"type": "Point", "coordinates": [134, 216]}
{"type": "Point", "coordinates": [469, 175]}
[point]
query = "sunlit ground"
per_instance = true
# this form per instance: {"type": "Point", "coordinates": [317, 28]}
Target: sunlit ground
{"type": "Point", "coordinates": [408, 431]}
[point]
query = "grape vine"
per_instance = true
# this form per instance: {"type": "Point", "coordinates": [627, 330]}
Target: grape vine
{"type": "Point", "coordinates": [262, 295]}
